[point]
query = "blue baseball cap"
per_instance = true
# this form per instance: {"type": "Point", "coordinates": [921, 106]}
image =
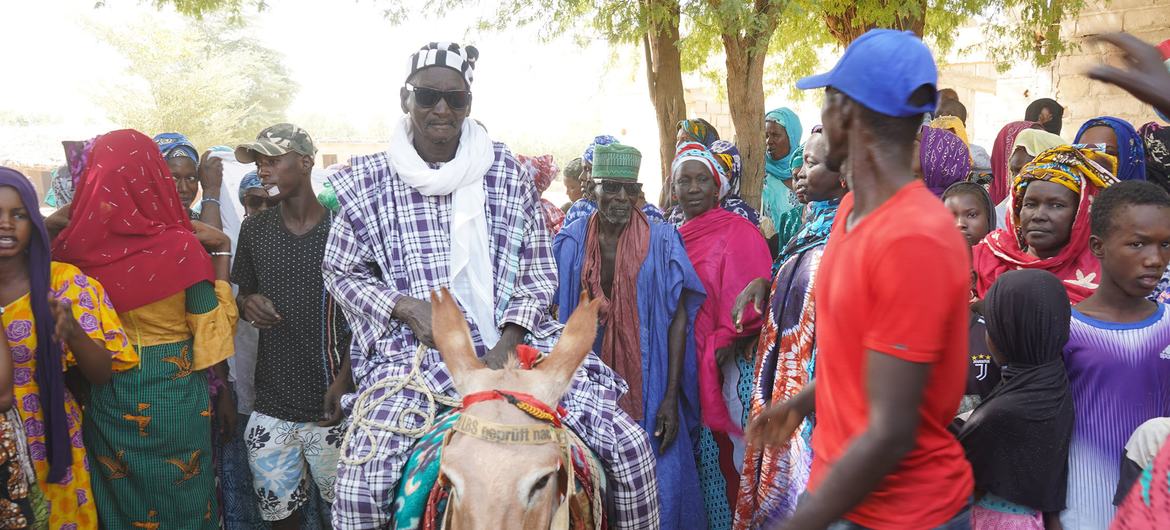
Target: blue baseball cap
{"type": "Point", "coordinates": [881, 70]}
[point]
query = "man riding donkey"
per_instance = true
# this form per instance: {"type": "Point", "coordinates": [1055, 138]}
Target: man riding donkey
{"type": "Point", "coordinates": [447, 207]}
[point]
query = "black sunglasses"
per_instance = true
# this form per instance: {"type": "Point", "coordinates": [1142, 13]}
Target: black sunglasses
{"type": "Point", "coordinates": [613, 188]}
{"type": "Point", "coordinates": [429, 97]}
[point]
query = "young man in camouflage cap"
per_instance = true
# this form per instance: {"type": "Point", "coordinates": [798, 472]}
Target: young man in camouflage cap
{"type": "Point", "coordinates": [651, 294]}
{"type": "Point", "coordinates": [302, 364]}
{"type": "Point", "coordinates": [447, 207]}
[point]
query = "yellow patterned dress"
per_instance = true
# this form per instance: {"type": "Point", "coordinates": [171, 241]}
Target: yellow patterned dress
{"type": "Point", "coordinates": [150, 428]}
{"type": "Point", "coordinates": [71, 503]}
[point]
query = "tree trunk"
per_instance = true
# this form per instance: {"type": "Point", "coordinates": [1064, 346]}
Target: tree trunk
{"type": "Point", "coordinates": [745, 98]}
{"type": "Point", "coordinates": [664, 77]}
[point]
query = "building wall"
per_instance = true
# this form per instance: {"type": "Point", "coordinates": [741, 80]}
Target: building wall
{"type": "Point", "coordinates": [331, 152]}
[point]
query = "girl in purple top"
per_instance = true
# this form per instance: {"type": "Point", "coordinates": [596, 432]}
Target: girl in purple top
{"type": "Point", "coordinates": [1118, 353]}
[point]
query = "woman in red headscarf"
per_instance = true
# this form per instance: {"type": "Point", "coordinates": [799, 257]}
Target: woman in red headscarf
{"type": "Point", "coordinates": [150, 428]}
{"type": "Point", "coordinates": [1049, 225]}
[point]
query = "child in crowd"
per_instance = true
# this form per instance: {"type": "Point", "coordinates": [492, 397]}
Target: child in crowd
{"type": "Point", "coordinates": [974, 215]}
{"type": "Point", "coordinates": [1118, 353]}
{"type": "Point", "coordinates": [1017, 439]}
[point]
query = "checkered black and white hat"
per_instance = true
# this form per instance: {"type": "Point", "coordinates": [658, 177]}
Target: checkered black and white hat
{"type": "Point", "coordinates": [447, 54]}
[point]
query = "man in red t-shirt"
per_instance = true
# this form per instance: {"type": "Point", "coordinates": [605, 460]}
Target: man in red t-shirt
{"type": "Point", "coordinates": [892, 295]}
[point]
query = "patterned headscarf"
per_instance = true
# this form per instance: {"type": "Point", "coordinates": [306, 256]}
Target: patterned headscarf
{"type": "Point", "coordinates": [700, 131]}
{"type": "Point", "coordinates": [686, 151]}
{"type": "Point", "coordinates": [1073, 167]}
{"type": "Point", "coordinates": [604, 139]}
{"type": "Point", "coordinates": [249, 182]}
{"type": "Point", "coordinates": [175, 145]}
{"type": "Point", "coordinates": [944, 158]}
{"type": "Point", "coordinates": [1001, 154]}
{"type": "Point", "coordinates": [1157, 142]}
{"type": "Point", "coordinates": [49, 378]}
{"type": "Point", "coordinates": [542, 169]}
{"type": "Point", "coordinates": [782, 168]}
{"type": "Point", "coordinates": [819, 219]}
{"type": "Point", "coordinates": [447, 55]}
{"type": "Point", "coordinates": [1131, 152]}
{"type": "Point", "coordinates": [728, 155]}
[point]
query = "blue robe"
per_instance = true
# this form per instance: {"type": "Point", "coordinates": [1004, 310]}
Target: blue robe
{"type": "Point", "coordinates": [664, 277]}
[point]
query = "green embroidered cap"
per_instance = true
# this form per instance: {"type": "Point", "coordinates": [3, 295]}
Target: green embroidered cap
{"type": "Point", "coordinates": [616, 162]}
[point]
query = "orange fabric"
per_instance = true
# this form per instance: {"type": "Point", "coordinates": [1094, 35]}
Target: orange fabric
{"type": "Point", "coordinates": [897, 284]}
{"type": "Point", "coordinates": [621, 346]}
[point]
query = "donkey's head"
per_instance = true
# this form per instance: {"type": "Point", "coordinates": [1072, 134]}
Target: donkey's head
{"type": "Point", "coordinates": [497, 485]}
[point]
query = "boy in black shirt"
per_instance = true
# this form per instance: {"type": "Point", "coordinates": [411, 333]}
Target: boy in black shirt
{"type": "Point", "coordinates": [302, 366]}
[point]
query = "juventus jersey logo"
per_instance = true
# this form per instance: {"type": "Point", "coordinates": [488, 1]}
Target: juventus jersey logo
{"type": "Point", "coordinates": [982, 362]}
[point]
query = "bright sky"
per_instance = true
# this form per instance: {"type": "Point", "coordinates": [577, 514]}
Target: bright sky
{"type": "Point", "coordinates": [349, 62]}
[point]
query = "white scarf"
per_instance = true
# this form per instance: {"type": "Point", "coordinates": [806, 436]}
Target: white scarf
{"type": "Point", "coordinates": [470, 271]}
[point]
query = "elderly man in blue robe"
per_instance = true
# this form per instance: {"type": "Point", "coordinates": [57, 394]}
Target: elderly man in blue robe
{"type": "Point", "coordinates": [649, 294]}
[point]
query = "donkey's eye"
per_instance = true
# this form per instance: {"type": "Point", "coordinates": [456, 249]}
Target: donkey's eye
{"type": "Point", "coordinates": [539, 485]}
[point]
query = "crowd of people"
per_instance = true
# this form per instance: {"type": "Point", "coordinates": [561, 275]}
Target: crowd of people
{"type": "Point", "coordinates": [910, 332]}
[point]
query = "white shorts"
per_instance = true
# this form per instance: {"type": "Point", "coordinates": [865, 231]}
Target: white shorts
{"type": "Point", "coordinates": [283, 455]}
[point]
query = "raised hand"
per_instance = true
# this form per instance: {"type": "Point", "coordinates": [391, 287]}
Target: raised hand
{"type": "Point", "coordinates": [1145, 75]}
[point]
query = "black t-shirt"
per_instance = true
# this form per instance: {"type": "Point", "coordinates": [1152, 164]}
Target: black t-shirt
{"type": "Point", "coordinates": [295, 361]}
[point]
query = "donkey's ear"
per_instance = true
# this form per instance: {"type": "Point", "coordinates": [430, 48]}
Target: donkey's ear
{"type": "Point", "coordinates": [452, 336]}
{"type": "Point", "coordinates": [576, 342]}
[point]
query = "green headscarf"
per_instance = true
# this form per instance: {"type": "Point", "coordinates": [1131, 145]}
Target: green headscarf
{"type": "Point", "coordinates": [777, 198]}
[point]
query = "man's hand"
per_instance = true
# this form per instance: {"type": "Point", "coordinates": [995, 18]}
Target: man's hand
{"type": "Point", "coordinates": [666, 425]}
{"type": "Point", "coordinates": [58, 221]}
{"type": "Point", "coordinates": [225, 413]}
{"type": "Point", "coordinates": [775, 425]}
{"type": "Point", "coordinates": [333, 412]}
{"type": "Point", "coordinates": [210, 174]}
{"type": "Point", "coordinates": [416, 314]}
{"type": "Point", "coordinates": [212, 238]}
{"type": "Point", "coordinates": [511, 336]}
{"type": "Point", "coordinates": [259, 311]}
{"type": "Point", "coordinates": [1145, 75]}
{"type": "Point", "coordinates": [756, 294]}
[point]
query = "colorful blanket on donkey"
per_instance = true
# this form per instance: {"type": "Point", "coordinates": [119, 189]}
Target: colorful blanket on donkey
{"type": "Point", "coordinates": [421, 501]}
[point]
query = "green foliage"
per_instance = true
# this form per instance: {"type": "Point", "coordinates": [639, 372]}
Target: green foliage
{"type": "Point", "coordinates": [207, 79]}
{"type": "Point", "coordinates": [1018, 30]}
